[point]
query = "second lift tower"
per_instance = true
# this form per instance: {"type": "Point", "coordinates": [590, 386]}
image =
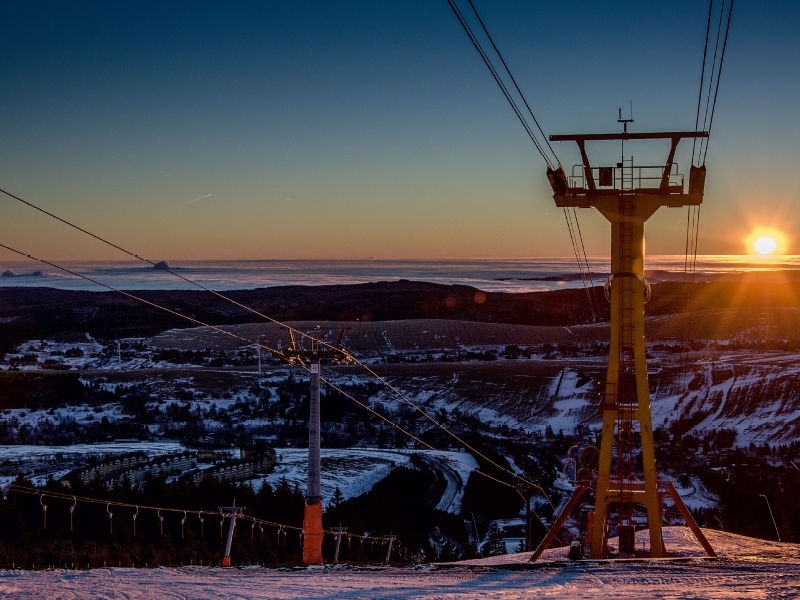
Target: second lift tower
{"type": "Point", "coordinates": [312, 357]}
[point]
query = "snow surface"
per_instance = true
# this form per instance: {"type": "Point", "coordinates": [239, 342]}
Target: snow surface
{"type": "Point", "coordinates": [355, 470]}
{"type": "Point", "coordinates": [761, 577]}
{"type": "Point", "coordinates": [25, 451]}
{"type": "Point", "coordinates": [679, 542]}
{"type": "Point", "coordinates": [26, 456]}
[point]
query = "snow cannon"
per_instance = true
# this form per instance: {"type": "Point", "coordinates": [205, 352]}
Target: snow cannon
{"type": "Point", "coordinates": [581, 464]}
{"type": "Point", "coordinates": [587, 463]}
{"type": "Point", "coordinates": [571, 466]}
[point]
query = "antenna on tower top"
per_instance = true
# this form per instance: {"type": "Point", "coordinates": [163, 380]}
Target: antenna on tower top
{"type": "Point", "coordinates": [625, 121]}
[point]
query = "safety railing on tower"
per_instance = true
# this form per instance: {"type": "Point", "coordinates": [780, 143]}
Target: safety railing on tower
{"type": "Point", "coordinates": [628, 176]}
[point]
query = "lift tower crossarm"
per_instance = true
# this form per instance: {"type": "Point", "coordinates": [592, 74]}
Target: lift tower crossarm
{"type": "Point", "coordinates": [600, 137]}
{"type": "Point", "coordinates": [567, 193]}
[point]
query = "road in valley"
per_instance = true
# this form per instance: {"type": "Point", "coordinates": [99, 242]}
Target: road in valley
{"type": "Point", "coordinates": [453, 481]}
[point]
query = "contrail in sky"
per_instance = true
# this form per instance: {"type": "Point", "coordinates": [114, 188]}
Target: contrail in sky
{"type": "Point", "coordinates": [196, 199]}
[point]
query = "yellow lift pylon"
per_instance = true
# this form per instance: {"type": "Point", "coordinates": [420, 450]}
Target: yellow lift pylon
{"type": "Point", "coordinates": [626, 195]}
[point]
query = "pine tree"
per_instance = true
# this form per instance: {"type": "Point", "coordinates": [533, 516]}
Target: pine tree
{"type": "Point", "coordinates": [494, 545]}
{"type": "Point", "coordinates": [336, 500]}
{"type": "Point", "coordinates": [470, 551]}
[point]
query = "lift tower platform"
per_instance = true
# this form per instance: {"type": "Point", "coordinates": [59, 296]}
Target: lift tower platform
{"type": "Point", "coordinates": [626, 195]}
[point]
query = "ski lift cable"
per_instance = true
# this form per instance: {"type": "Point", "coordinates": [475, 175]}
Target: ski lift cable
{"type": "Point", "coordinates": [702, 80]}
{"type": "Point", "coordinates": [576, 253]}
{"type": "Point", "coordinates": [498, 79]}
{"type": "Point", "coordinates": [275, 352]}
{"type": "Point", "coordinates": [713, 74]}
{"type": "Point", "coordinates": [58, 495]}
{"type": "Point", "coordinates": [430, 447]}
{"type": "Point", "coordinates": [139, 299]}
{"type": "Point", "coordinates": [713, 71]}
{"type": "Point", "coordinates": [583, 263]}
{"type": "Point", "coordinates": [716, 71]}
{"type": "Point", "coordinates": [719, 74]}
{"type": "Point", "coordinates": [75, 499]}
{"type": "Point", "coordinates": [519, 91]}
{"type": "Point", "coordinates": [502, 86]}
{"type": "Point", "coordinates": [693, 213]}
{"type": "Point", "coordinates": [585, 258]}
{"type": "Point", "coordinates": [557, 160]}
{"type": "Point", "coordinates": [282, 357]}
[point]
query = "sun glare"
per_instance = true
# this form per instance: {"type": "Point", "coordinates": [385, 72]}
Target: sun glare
{"type": "Point", "coordinates": [765, 245]}
{"type": "Point", "coordinates": [765, 242]}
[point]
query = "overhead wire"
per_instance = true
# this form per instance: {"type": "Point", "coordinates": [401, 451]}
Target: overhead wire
{"type": "Point", "coordinates": [702, 80]}
{"type": "Point", "coordinates": [586, 259]}
{"type": "Point", "coordinates": [86, 500]}
{"type": "Point", "coordinates": [275, 352]}
{"type": "Point", "coordinates": [713, 70]}
{"type": "Point", "coordinates": [498, 80]}
{"type": "Point", "coordinates": [689, 275]}
{"type": "Point", "coordinates": [707, 84]}
{"type": "Point", "coordinates": [511, 75]}
{"type": "Point", "coordinates": [719, 75]}
{"type": "Point", "coordinates": [137, 298]}
{"type": "Point", "coordinates": [715, 73]}
{"type": "Point", "coordinates": [280, 356]}
{"type": "Point", "coordinates": [577, 242]}
{"type": "Point", "coordinates": [576, 252]}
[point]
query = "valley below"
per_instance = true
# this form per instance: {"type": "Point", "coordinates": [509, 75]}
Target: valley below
{"type": "Point", "coordinates": [723, 382]}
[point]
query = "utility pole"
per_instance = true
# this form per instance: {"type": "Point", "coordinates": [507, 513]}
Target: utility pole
{"type": "Point", "coordinates": [338, 532]}
{"type": "Point", "coordinates": [392, 538]}
{"type": "Point", "coordinates": [258, 346]}
{"type": "Point", "coordinates": [312, 520]}
{"type": "Point", "coordinates": [528, 533]}
{"type": "Point", "coordinates": [778, 533]}
{"type": "Point", "coordinates": [233, 512]}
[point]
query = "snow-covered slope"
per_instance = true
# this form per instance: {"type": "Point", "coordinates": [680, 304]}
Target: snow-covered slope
{"type": "Point", "coordinates": [354, 470]}
{"type": "Point", "coordinates": [679, 541]}
{"type": "Point", "coordinates": [727, 578]}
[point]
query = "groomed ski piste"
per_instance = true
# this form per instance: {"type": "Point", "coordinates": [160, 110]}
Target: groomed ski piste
{"type": "Point", "coordinates": [746, 568]}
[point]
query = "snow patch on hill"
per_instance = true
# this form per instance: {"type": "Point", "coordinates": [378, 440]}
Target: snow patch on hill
{"type": "Point", "coordinates": [355, 471]}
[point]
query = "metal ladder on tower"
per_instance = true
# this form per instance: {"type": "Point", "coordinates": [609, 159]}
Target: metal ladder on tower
{"type": "Point", "coordinates": [627, 400]}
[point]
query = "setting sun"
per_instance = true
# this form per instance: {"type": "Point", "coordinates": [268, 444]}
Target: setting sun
{"type": "Point", "coordinates": [766, 241]}
{"type": "Point", "coordinates": [765, 245]}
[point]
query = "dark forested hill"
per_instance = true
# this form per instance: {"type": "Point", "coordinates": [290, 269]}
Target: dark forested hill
{"type": "Point", "coordinates": [30, 313]}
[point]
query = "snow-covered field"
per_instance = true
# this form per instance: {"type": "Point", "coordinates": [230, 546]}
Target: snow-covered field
{"type": "Point", "coordinates": [748, 568]}
{"type": "Point", "coordinates": [57, 461]}
{"type": "Point", "coordinates": [776, 578]}
{"type": "Point", "coordinates": [29, 451]}
{"type": "Point", "coordinates": [354, 471]}
{"type": "Point", "coordinates": [679, 542]}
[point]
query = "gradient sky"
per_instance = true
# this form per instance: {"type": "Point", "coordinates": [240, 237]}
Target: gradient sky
{"type": "Point", "coordinates": [371, 129]}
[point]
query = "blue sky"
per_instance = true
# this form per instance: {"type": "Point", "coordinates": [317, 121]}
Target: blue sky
{"type": "Point", "coordinates": [357, 129]}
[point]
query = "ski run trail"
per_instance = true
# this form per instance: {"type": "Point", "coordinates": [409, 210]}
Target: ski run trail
{"type": "Point", "coordinates": [747, 568]}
